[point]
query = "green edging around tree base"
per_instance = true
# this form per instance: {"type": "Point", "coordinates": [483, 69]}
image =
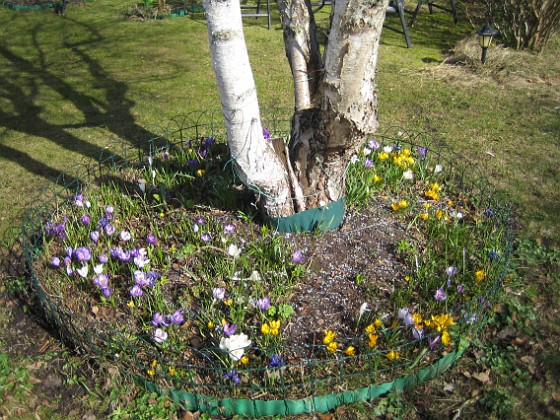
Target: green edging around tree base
{"type": "Point", "coordinates": [319, 404]}
{"type": "Point", "coordinates": [322, 218]}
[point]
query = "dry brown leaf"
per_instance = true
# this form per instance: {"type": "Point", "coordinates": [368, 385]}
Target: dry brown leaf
{"type": "Point", "coordinates": [483, 377]}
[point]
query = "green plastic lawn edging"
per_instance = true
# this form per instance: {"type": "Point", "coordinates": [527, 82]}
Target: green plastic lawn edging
{"type": "Point", "coordinates": [14, 6]}
{"type": "Point", "coordinates": [323, 218]}
{"type": "Point", "coordinates": [317, 404]}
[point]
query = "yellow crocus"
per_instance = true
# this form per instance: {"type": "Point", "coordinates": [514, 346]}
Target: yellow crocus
{"type": "Point", "coordinates": [329, 337]}
{"type": "Point", "coordinates": [480, 275]}
{"type": "Point", "coordinates": [332, 346]}
{"type": "Point", "coordinates": [372, 340]}
{"type": "Point", "coordinates": [392, 355]}
{"type": "Point", "coordinates": [350, 351]}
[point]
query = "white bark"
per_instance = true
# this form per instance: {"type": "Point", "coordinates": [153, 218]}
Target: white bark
{"type": "Point", "coordinates": [256, 161]}
{"type": "Point", "coordinates": [335, 104]}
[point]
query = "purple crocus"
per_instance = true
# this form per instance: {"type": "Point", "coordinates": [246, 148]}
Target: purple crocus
{"type": "Point", "coordinates": [460, 288]}
{"type": "Point", "coordinates": [103, 259]}
{"type": "Point", "coordinates": [205, 237]}
{"type": "Point", "coordinates": [219, 293]}
{"type": "Point", "coordinates": [373, 144]}
{"type": "Point", "coordinates": [421, 151]}
{"type": "Point", "coordinates": [266, 133]}
{"type": "Point", "coordinates": [151, 239]}
{"type": "Point", "coordinates": [368, 163]}
{"type": "Point", "coordinates": [297, 257]}
{"type": "Point", "coordinates": [159, 319]}
{"type": "Point", "coordinates": [418, 333]}
{"type": "Point", "coordinates": [106, 291]}
{"type": "Point", "coordinates": [55, 262]}
{"type": "Point", "coordinates": [101, 281]}
{"type": "Point", "coordinates": [263, 303]}
{"type": "Point", "coordinates": [177, 317]}
{"type": "Point", "coordinates": [94, 236]}
{"type": "Point", "coordinates": [136, 291]}
{"type": "Point", "coordinates": [229, 329]}
{"type": "Point", "coordinates": [275, 362]}
{"type": "Point", "coordinates": [493, 255]}
{"type": "Point", "coordinates": [82, 254]}
{"type": "Point", "coordinates": [489, 212]}
{"type": "Point", "coordinates": [434, 341]}
{"type": "Point", "coordinates": [152, 277]}
{"type": "Point", "coordinates": [440, 295]}
{"type": "Point", "coordinates": [229, 228]}
{"type": "Point", "coordinates": [79, 200]}
{"type": "Point", "coordinates": [140, 278]}
{"type": "Point", "coordinates": [86, 219]}
{"type": "Point", "coordinates": [109, 229]}
{"type": "Point", "coordinates": [233, 376]}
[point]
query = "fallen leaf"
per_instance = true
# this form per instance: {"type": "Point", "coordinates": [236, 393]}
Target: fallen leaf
{"type": "Point", "coordinates": [95, 310]}
{"type": "Point", "coordinates": [483, 377]}
{"type": "Point", "coordinates": [467, 374]}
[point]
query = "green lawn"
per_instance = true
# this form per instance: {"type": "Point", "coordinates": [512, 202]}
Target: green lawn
{"type": "Point", "coordinates": [73, 86]}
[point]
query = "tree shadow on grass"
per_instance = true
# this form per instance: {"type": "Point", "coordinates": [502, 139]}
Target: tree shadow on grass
{"type": "Point", "coordinates": [21, 85]}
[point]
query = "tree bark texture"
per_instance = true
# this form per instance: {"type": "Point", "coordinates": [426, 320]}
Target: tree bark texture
{"type": "Point", "coordinates": [335, 99]}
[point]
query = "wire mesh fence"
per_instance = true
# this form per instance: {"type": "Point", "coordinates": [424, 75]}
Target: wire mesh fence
{"type": "Point", "coordinates": [307, 378]}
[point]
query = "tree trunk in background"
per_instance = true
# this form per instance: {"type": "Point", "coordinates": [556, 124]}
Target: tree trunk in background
{"type": "Point", "coordinates": [335, 100]}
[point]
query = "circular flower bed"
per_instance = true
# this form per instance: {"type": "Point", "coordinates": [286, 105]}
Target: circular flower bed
{"type": "Point", "coordinates": [161, 264]}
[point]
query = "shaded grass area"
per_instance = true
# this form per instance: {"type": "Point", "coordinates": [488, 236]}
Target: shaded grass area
{"type": "Point", "coordinates": [71, 86]}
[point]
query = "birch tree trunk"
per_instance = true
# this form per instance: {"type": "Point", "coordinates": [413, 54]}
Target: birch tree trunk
{"type": "Point", "coordinates": [335, 99]}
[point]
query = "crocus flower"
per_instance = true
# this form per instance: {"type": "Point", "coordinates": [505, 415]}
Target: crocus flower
{"type": "Point", "coordinates": [266, 133]}
{"type": "Point", "coordinates": [451, 271]}
{"type": "Point", "coordinates": [79, 200]}
{"type": "Point", "coordinates": [106, 291]}
{"type": "Point", "coordinates": [373, 144]}
{"type": "Point", "coordinates": [460, 288]}
{"type": "Point", "coordinates": [440, 295]}
{"type": "Point", "coordinates": [125, 235]}
{"type": "Point", "coordinates": [109, 229]}
{"type": "Point", "coordinates": [493, 255]}
{"type": "Point", "coordinates": [94, 236]}
{"type": "Point", "coordinates": [55, 262]}
{"type": "Point", "coordinates": [109, 209]}
{"type": "Point", "coordinates": [235, 345]}
{"type": "Point", "coordinates": [233, 376]}
{"type": "Point", "coordinates": [219, 293]}
{"type": "Point", "coordinates": [297, 257]}
{"type": "Point", "coordinates": [275, 362]}
{"type": "Point", "coordinates": [152, 277]}
{"type": "Point", "coordinates": [233, 251]}
{"type": "Point", "coordinates": [229, 329]}
{"type": "Point", "coordinates": [82, 254]}
{"type": "Point", "coordinates": [263, 303]}
{"type": "Point", "coordinates": [98, 269]}
{"type": "Point", "coordinates": [408, 175]}
{"type": "Point", "coordinates": [140, 278]}
{"type": "Point", "coordinates": [86, 219]}
{"type": "Point", "coordinates": [151, 239]}
{"type": "Point", "coordinates": [205, 237]}
{"type": "Point", "coordinates": [159, 335]}
{"type": "Point", "coordinates": [177, 317]}
{"type": "Point", "coordinates": [83, 272]}
{"type": "Point", "coordinates": [418, 333]}
{"type": "Point", "coordinates": [434, 342]}
{"type": "Point", "coordinates": [103, 259]}
{"type": "Point", "coordinates": [102, 223]}
{"type": "Point", "coordinates": [229, 228]}
{"type": "Point", "coordinates": [421, 151]}
{"type": "Point", "coordinates": [101, 281]}
{"type": "Point", "coordinates": [489, 212]}
{"type": "Point", "coordinates": [136, 291]}
{"type": "Point", "coordinates": [368, 163]}
{"type": "Point", "coordinates": [159, 319]}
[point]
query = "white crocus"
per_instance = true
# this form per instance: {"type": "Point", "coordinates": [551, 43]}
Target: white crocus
{"type": "Point", "coordinates": [408, 174]}
{"type": "Point", "coordinates": [366, 151]}
{"type": "Point", "coordinates": [438, 169]}
{"type": "Point", "coordinates": [233, 251]}
{"type": "Point", "coordinates": [388, 149]}
{"type": "Point", "coordinates": [98, 269]}
{"type": "Point", "coordinates": [363, 309]}
{"type": "Point", "coordinates": [83, 272]}
{"type": "Point", "coordinates": [235, 345]}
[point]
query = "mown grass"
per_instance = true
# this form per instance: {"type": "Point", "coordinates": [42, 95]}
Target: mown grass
{"type": "Point", "coordinates": [70, 86]}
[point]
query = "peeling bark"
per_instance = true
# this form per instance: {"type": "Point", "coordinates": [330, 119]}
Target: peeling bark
{"type": "Point", "coordinates": [335, 100]}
